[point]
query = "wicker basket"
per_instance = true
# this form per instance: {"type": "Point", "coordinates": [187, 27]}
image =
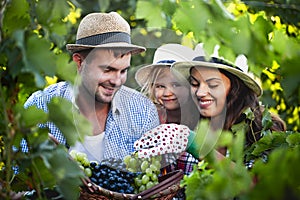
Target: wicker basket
{"type": "Point", "coordinates": [167, 188]}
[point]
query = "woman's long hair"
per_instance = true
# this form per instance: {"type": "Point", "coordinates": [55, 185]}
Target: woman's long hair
{"type": "Point", "coordinates": [239, 98]}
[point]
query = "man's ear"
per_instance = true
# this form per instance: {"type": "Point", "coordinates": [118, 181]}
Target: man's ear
{"type": "Point", "coordinates": [78, 59]}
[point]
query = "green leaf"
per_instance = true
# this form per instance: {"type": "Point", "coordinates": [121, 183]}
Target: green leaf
{"type": "Point", "coordinates": [266, 119]}
{"type": "Point", "coordinates": [151, 11]}
{"type": "Point", "coordinates": [229, 180]}
{"type": "Point", "coordinates": [185, 15]}
{"type": "Point", "coordinates": [39, 55]}
{"type": "Point", "coordinates": [293, 139]}
{"type": "Point", "coordinates": [196, 182]}
{"type": "Point", "coordinates": [205, 138]}
{"type": "Point", "coordinates": [67, 172]}
{"type": "Point", "coordinates": [226, 139]}
{"type": "Point", "coordinates": [37, 139]}
{"type": "Point", "coordinates": [259, 51]}
{"type": "Point", "coordinates": [73, 125]}
{"type": "Point", "coordinates": [269, 142]}
{"type": "Point", "coordinates": [16, 16]}
{"type": "Point", "coordinates": [282, 169]}
{"type": "Point", "coordinates": [249, 114]}
{"type": "Point", "coordinates": [238, 146]}
{"type": "Point", "coordinates": [242, 41]}
{"type": "Point", "coordinates": [66, 70]}
{"type": "Point", "coordinates": [32, 116]}
{"type": "Point", "coordinates": [286, 47]}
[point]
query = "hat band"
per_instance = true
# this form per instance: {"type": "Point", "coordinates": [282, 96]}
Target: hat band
{"type": "Point", "coordinates": [216, 60]}
{"type": "Point", "coordinates": [104, 38]}
{"type": "Point", "coordinates": [166, 61]}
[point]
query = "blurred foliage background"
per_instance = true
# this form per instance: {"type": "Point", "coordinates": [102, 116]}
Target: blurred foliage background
{"type": "Point", "coordinates": [33, 55]}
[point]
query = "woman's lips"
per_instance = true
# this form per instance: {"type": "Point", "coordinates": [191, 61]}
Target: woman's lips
{"type": "Point", "coordinates": [205, 103]}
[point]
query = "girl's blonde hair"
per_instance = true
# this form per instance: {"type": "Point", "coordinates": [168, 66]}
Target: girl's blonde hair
{"type": "Point", "coordinates": [148, 87]}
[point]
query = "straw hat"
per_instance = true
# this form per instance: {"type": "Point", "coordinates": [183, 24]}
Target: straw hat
{"type": "Point", "coordinates": [104, 30]}
{"type": "Point", "coordinates": [239, 69]}
{"type": "Point", "coordinates": [164, 55]}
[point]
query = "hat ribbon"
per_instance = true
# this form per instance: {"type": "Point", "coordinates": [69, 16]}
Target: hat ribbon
{"type": "Point", "coordinates": [166, 61]}
{"type": "Point", "coordinates": [218, 61]}
{"type": "Point", "coordinates": [104, 38]}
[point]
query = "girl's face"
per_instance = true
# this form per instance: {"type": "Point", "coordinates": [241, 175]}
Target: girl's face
{"type": "Point", "coordinates": [169, 91]}
{"type": "Point", "coordinates": [209, 89]}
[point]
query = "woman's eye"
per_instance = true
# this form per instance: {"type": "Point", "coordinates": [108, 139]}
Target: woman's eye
{"type": "Point", "coordinates": [213, 85]}
{"type": "Point", "coordinates": [194, 83]}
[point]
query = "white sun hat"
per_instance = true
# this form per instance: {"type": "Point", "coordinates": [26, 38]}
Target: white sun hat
{"type": "Point", "coordinates": [165, 55]}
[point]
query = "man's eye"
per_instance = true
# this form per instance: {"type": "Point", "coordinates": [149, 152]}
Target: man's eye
{"type": "Point", "coordinates": [107, 69]}
{"type": "Point", "coordinates": [124, 71]}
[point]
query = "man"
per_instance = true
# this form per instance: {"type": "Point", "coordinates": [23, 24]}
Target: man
{"type": "Point", "coordinates": [119, 115]}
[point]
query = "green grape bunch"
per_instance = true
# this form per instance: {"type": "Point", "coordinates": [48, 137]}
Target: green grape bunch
{"type": "Point", "coordinates": [83, 161]}
{"type": "Point", "coordinates": [149, 168]}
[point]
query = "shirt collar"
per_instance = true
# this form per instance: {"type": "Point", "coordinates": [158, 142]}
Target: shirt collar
{"type": "Point", "coordinates": [116, 106]}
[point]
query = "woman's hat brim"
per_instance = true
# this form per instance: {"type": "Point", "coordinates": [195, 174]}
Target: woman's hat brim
{"type": "Point", "coordinates": [134, 49]}
{"type": "Point", "coordinates": [184, 69]}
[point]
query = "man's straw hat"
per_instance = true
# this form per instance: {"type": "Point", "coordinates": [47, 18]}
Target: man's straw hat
{"type": "Point", "coordinates": [164, 55]}
{"type": "Point", "coordinates": [104, 30]}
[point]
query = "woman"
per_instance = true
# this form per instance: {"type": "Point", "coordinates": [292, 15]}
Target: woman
{"type": "Point", "coordinates": [223, 92]}
{"type": "Point", "coordinates": [170, 94]}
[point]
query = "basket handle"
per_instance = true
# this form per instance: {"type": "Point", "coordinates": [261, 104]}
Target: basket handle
{"type": "Point", "coordinates": [162, 186]}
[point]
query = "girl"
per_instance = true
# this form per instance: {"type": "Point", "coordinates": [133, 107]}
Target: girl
{"type": "Point", "coordinates": [170, 94]}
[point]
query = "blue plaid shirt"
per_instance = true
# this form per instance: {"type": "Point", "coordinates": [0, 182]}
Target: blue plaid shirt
{"type": "Point", "coordinates": [131, 115]}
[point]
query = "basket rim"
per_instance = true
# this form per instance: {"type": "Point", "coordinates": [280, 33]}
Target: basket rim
{"type": "Point", "coordinates": [170, 185]}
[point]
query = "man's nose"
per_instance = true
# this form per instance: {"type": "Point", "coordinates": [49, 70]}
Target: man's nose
{"type": "Point", "coordinates": [116, 79]}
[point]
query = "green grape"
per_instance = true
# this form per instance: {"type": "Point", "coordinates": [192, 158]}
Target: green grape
{"type": "Point", "coordinates": [88, 172]}
{"type": "Point", "coordinates": [144, 166]}
{"type": "Point", "coordinates": [157, 164]}
{"type": "Point", "coordinates": [142, 188]}
{"type": "Point", "coordinates": [131, 170]}
{"type": "Point", "coordinates": [73, 154]}
{"type": "Point", "coordinates": [138, 181]}
{"type": "Point", "coordinates": [149, 172]}
{"type": "Point", "coordinates": [126, 160]}
{"type": "Point", "coordinates": [133, 163]}
{"type": "Point", "coordinates": [154, 177]}
{"type": "Point", "coordinates": [80, 156]}
{"type": "Point", "coordinates": [154, 168]}
{"type": "Point", "coordinates": [145, 179]}
{"type": "Point", "coordinates": [85, 162]}
{"type": "Point", "coordinates": [81, 167]}
{"type": "Point", "coordinates": [149, 185]}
